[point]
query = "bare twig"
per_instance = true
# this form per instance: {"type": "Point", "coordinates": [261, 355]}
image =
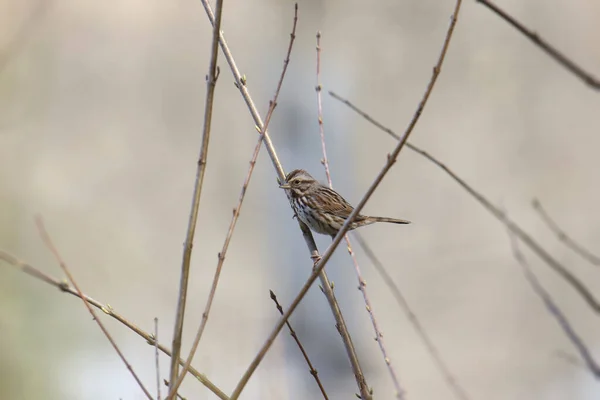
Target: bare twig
{"type": "Point", "coordinates": [189, 240]}
{"type": "Point", "coordinates": [362, 284]}
{"type": "Point", "coordinates": [311, 369]}
{"type": "Point", "coordinates": [319, 89]}
{"type": "Point", "coordinates": [563, 237]}
{"type": "Point", "coordinates": [541, 43]}
{"type": "Point", "coordinates": [308, 238]}
{"type": "Point", "coordinates": [237, 209]}
{"type": "Point", "coordinates": [157, 364]}
{"type": "Point", "coordinates": [560, 269]}
{"type": "Point", "coordinates": [340, 324]}
{"type": "Point", "coordinates": [48, 242]}
{"type": "Point", "coordinates": [554, 310]}
{"type": "Point", "coordinates": [180, 397]}
{"type": "Point", "coordinates": [391, 159]}
{"type": "Point", "coordinates": [451, 380]}
{"type": "Point", "coordinates": [105, 308]}
{"type": "Point", "coordinates": [325, 160]}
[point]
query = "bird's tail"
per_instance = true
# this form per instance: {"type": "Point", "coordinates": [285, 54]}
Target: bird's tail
{"type": "Point", "coordinates": [386, 219]}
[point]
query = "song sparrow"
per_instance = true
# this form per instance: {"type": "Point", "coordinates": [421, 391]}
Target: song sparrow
{"type": "Point", "coordinates": [321, 208]}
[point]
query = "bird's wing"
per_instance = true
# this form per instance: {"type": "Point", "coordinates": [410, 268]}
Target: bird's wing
{"type": "Point", "coordinates": [334, 203]}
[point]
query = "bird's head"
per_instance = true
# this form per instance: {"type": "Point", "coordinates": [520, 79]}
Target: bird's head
{"type": "Point", "coordinates": [299, 182]}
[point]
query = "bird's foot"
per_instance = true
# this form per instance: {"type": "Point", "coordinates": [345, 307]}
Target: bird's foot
{"type": "Point", "coordinates": [316, 258]}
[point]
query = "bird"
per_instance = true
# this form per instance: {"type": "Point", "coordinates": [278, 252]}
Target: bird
{"type": "Point", "coordinates": [323, 209]}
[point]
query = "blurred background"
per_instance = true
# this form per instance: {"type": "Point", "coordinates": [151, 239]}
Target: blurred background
{"type": "Point", "coordinates": [101, 111]}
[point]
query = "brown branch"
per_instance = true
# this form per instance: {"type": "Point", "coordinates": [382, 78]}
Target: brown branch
{"type": "Point", "coordinates": [342, 328]}
{"type": "Point", "coordinates": [311, 369]}
{"type": "Point", "coordinates": [180, 397]}
{"type": "Point", "coordinates": [308, 238]}
{"type": "Point", "coordinates": [156, 361]}
{"type": "Point", "coordinates": [560, 269]}
{"type": "Point", "coordinates": [563, 237]}
{"type": "Point", "coordinates": [237, 210]}
{"type": "Point", "coordinates": [391, 159]}
{"type": "Point", "coordinates": [189, 240]}
{"type": "Point", "coordinates": [48, 242]}
{"type": "Point", "coordinates": [451, 380]}
{"type": "Point", "coordinates": [553, 309]}
{"type": "Point", "coordinates": [541, 43]}
{"type": "Point", "coordinates": [319, 89]}
{"type": "Point", "coordinates": [107, 309]}
{"type": "Point", "coordinates": [362, 284]}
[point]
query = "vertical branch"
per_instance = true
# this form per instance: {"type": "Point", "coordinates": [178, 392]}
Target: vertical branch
{"type": "Point", "coordinates": [180, 397]}
{"type": "Point", "coordinates": [362, 287]}
{"type": "Point", "coordinates": [342, 328]}
{"type": "Point", "coordinates": [308, 238]}
{"type": "Point", "coordinates": [63, 266]}
{"type": "Point", "coordinates": [312, 369]}
{"type": "Point", "coordinates": [362, 284]}
{"type": "Point", "coordinates": [236, 212]}
{"type": "Point", "coordinates": [451, 380]}
{"type": "Point", "coordinates": [156, 361]}
{"type": "Point", "coordinates": [189, 240]}
{"type": "Point", "coordinates": [319, 89]}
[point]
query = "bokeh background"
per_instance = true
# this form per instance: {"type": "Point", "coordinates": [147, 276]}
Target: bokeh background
{"type": "Point", "coordinates": [101, 109]}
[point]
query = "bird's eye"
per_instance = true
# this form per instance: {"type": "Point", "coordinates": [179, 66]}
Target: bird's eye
{"type": "Point", "coordinates": [296, 181]}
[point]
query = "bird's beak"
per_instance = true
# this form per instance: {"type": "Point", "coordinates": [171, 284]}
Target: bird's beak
{"type": "Point", "coordinates": [285, 186]}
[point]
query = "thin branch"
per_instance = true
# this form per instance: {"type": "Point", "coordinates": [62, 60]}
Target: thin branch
{"type": "Point", "coordinates": [308, 238]}
{"type": "Point", "coordinates": [319, 89]}
{"type": "Point", "coordinates": [563, 237]}
{"type": "Point", "coordinates": [189, 240]}
{"type": "Point", "coordinates": [541, 43]}
{"type": "Point", "coordinates": [560, 269]}
{"type": "Point", "coordinates": [342, 328]}
{"type": "Point", "coordinates": [554, 310]}
{"type": "Point", "coordinates": [362, 287]}
{"type": "Point", "coordinates": [311, 369]}
{"type": "Point", "coordinates": [325, 160]}
{"type": "Point", "coordinates": [451, 380]}
{"type": "Point", "coordinates": [362, 284]}
{"type": "Point", "coordinates": [180, 397]}
{"type": "Point", "coordinates": [156, 361]}
{"type": "Point", "coordinates": [63, 286]}
{"type": "Point", "coordinates": [48, 242]}
{"type": "Point", "coordinates": [237, 210]}
{"type": "Point", "coordinates": [391, 159]}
